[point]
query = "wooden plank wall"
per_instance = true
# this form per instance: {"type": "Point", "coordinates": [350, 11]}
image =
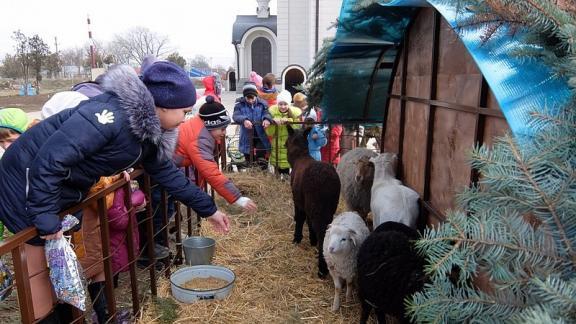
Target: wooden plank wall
{"type": "Point", "coordinates": [439, 107]}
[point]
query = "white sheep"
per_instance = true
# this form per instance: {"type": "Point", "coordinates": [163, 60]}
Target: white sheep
{"type": "Point", "coordinates": [390, 200]}
{"type": "Point", "coordinates": [341, 244]}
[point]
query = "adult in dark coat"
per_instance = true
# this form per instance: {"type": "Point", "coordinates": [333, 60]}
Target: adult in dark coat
{"type": "Point", "coordinates": [55, 163]}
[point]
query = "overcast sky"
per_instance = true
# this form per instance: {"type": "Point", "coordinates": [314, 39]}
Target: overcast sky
{"type": "Point", "coordinates": [194, 27]}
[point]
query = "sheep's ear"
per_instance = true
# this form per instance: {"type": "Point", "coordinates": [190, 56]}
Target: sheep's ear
{"type": "Point", "coordinates": [353, 236]}
{"type": "Point", "coordinates": [290, 129]}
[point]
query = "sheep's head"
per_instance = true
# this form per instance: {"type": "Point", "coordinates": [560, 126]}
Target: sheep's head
{"type": "Point", "coordinates": [386, 161]}
{"type": "Point", "coordinates": [364, 171]}
{"type": "Point", "coordinates": [341, 240]}
{"type": "Point", "coordinates": [296, 143]}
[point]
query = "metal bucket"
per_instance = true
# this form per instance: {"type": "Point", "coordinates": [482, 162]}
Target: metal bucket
{"type": "Point", "coordinates": [198, 250]}
{"type": "Point", "coordinates": [185, 295]}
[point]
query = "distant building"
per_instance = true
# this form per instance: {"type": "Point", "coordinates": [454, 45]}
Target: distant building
{"type": "Point", "coordinates": [74, 71]}
{"type": "Point", "coordinates": [284, 44]}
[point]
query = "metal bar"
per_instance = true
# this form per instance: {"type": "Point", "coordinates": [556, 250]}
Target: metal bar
{"type": "Point", "coordinates": [164, 230]}
{"type": "Point", "coordinates": [23, 283]}
{"type": "Point", "coordinates": [178, 222]}
{"type": "Point", "coordinates": [188, 209]}
{"type": "Point", "coordinates": [150, 234]}
{"type": "Point", "coordinates": [223, 161]}
{"type": "Point", "coordinates": [105, 234]}
{"type": "Point", "coordinates": [399, 172]}
{"type": "Point", "coordinates": [130, 242]}
{"type": "Point", "coordinates": [387, 103]}
{"type": "Point", "coordinates": [375, 70]}
{"type": "Point", "coordinates": [330, 144]}
{"type": "Point", "coordinates": [453, 106]}
{"type": "Point", "coordinates": [198, 218]}
{"type": "Point", "coordinates": [432, 108]}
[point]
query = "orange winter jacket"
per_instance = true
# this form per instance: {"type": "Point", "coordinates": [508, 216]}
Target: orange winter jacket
{"type": "Point", "coordinates": [195, 148]}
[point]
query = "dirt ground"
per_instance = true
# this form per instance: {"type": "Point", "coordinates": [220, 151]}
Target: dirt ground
{"type": "Point", "coordinates": [10, 98]}
{"type": "Point", "coordinates": [26, 103]}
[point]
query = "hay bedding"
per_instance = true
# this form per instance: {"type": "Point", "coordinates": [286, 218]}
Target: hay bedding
{"type": "Point", "coordinates": [276, 281]}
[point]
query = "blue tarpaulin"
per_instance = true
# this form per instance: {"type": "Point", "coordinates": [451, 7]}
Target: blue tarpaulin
{"type": "Point", "coordinates": [368, 41]}
{"type": "Point", "coordinates": [199, 73]}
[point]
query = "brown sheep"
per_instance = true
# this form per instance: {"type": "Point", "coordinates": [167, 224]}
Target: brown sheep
{"type": "Point", "coordinates": [315, 191]}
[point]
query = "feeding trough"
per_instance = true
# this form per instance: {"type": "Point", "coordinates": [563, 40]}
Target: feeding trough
{"type": "Point", "coordinates": [221, 278]}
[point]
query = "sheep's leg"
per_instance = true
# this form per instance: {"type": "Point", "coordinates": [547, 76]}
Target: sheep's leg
{"type": "Point", "coordinates": [349, 289]}
{"type": "Point", "coordinates": [366, 309]}
{"type": "Point", "coordinates": [299, 218]}
{"type": "Point", "coordinates": [337, 290]}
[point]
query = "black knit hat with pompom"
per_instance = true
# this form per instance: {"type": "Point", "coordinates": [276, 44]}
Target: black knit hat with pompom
{"type": "Point", "coordinates": [214, 114]}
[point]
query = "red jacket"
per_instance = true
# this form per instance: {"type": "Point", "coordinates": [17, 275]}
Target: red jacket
{"type": "Point", "coordinates": [331, 152]}
{"type": "Point", "coordinates": [195, 148]}
{"type": "Point", "coordinates": [210, 88]}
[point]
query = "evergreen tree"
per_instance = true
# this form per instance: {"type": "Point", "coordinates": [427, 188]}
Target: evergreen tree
{"type": "Point", "coordinates": [517, 227]}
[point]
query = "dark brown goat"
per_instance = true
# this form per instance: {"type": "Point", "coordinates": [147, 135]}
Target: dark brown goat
{"type": "Point", "coordinates": [315, 191]}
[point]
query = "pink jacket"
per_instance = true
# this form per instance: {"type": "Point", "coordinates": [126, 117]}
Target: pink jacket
{"type": "Point", "coordinates": [118, 224]}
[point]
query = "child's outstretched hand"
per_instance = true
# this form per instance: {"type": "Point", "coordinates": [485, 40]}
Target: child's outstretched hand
{"type": "Point", "coordinates": [247, 204]}
{"type": "Point", "coordinates": [220, 222]}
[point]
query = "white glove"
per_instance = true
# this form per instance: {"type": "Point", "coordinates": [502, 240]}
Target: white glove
{"type": "Point", "coordinates": [242, 202]}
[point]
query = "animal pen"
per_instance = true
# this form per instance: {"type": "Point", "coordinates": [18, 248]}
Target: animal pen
{"type": "Point", "coordinates": [398, 66]}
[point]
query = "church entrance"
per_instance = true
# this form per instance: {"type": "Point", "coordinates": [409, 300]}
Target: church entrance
{"type": "Point", "coordinates": [232, 81]}
{"type": "Point", "coordinates": [261, 56]}
{"type": "Point", "coordinates": [292, 78]}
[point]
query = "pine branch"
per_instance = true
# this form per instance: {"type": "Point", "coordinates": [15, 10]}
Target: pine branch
{"type": "Point", "coordinates": [549, 203]}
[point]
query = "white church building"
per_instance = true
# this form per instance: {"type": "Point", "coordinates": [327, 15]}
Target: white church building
{"type": "Point", "coordinates": [284, 44]}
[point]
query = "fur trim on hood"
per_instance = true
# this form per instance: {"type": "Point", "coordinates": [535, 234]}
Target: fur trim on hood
{"type": "Point", "coordinates": [138, 103]}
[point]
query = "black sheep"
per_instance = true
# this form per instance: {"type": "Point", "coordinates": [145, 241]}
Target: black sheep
{"type": "Point", "coordinates": [315, 191]}
{"type": "Point", "coordinates": [389, 270]}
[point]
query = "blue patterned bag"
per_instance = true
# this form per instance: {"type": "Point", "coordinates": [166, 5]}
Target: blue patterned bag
{"type": "Point", "coordinates": [65, 271]}
{"type": "Point", "coordinates": [6, 281]}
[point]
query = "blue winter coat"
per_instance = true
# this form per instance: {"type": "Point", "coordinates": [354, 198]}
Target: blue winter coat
{"type": "Point", "coordinates": [53, 165]}
{"type": "Point", "coordinates": [314, 145]}
{"type": "Point", "coordinates": [256, 113]}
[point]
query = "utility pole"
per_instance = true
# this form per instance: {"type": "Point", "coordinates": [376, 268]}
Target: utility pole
{"type": "Point", "coordinates": [92, 57]}
{"type": "Point", "coordinates": [57, 56]}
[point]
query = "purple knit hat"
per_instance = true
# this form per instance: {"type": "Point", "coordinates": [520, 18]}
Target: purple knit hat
{"type": "Point", "coordinates": [170, 85]}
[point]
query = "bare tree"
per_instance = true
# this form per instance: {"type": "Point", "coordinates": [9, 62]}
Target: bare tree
{"type": "Point", "coordinates": [100, 53]}
{"type": "Point", "coordinates": [74, 57]}
{"type": "Point", "coordinates": [139, 42]}
{"type": "Point", "coordinates": [199, 62]}
{"type": "Point", "coordinates": [10, 67]}
{"type": "Point", "coordinates": [39, 52]}
{"type": "Point", "coordinates": [119, 53]}
{"type": "Point", "coordinates": [22, 54]}
{"type": "Point", "coordinates": [53, 65]}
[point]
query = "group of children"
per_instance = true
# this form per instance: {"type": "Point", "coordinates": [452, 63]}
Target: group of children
{"type": "Point", "coordinates": [263, 113]}
{"type": "Point", "coordinates": [88, 138]}
{"type": "Point", "coordinates": [133, 122]}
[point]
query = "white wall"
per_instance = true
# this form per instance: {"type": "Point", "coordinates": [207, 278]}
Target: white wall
{"type": "Point", "coordinates": [297, 30]}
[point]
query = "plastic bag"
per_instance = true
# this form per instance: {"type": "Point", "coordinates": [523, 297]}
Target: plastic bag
{"type": "Point", "coordinates": [6, 281]}
{"type": "Point", "coordinates": [65, 270]}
